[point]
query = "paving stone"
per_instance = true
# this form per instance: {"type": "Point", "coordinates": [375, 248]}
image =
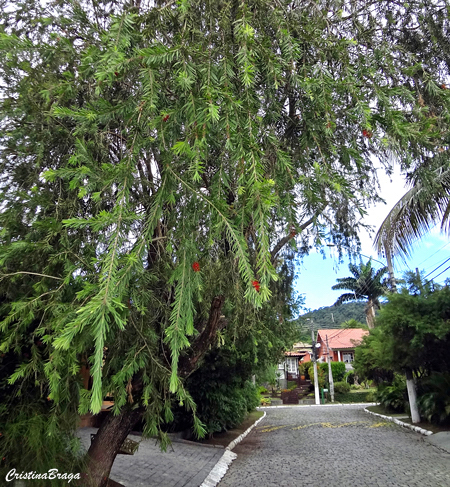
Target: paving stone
{"type": "Point", "coordinates": [334, 446]}
{"type": "Point", "coordinates": [183, 465]}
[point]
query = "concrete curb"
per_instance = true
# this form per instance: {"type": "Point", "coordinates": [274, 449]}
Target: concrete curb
{"type": "Point", "coordinates": [401, 423]}
{"type": "Point", "coordinates": [221, 467]}
{"type": "Point", "coordinates": [321, 405]}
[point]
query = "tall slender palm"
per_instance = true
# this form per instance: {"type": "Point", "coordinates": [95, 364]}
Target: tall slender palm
{"type": "Point", "coordinates": [426, 204]}
{"type": "Point", "coordinates": [365, 284]}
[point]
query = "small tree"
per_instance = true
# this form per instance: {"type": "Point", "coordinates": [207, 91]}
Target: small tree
{"type": "Point", "coordinates": [412, 334]}
{"type": "Point", "coordinates": [365, 284]}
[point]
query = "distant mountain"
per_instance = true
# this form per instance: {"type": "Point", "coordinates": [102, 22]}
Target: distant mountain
{"type": "Point", "coordinates": [333, 316]}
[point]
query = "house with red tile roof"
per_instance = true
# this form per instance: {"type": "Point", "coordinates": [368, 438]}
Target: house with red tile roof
{"type": "Point", "coordinates": [341, 343]}
{"type": "Point", "coordinates": [288, 370]}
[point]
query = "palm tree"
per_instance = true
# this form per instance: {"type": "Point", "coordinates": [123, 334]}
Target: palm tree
{"type": "Point", "coordinates": [426, 204]}
{"type": "Point", "coordinates": [366, 283]}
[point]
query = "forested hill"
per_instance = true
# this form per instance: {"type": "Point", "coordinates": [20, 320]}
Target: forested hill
{"type": "Point", "coordinates": [333, 316]}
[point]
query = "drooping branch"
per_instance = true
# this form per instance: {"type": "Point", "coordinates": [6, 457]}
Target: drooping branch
{"type": "Point", "coordinates": [282, 242]}
{"type": "Point", "coordinates": [216, 322]}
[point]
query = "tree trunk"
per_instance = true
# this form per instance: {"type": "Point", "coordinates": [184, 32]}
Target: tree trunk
{"type": "Point", "coordinates": [412, 396]}
{"type": "Point", "coordinates": [103, 450]}
{"type": "Point", "coordinates": [370, 314]}
{"type": "Point", "coordinates": [115, 429]}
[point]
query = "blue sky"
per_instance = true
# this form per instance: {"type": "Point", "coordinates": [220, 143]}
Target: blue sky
{"type": "Point", "coordinates": [316, 275]}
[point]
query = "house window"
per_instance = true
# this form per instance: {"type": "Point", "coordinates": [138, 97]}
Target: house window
{"type": "Point", "coordinates": [347, 357]}
{"type": "Point", "coordinates": [291, 365]}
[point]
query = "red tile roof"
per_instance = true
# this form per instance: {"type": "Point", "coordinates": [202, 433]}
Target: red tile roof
{"type": "Point", "coordinates": [342, 338]}
{"type": "Point", "coordinates": [296, 353]}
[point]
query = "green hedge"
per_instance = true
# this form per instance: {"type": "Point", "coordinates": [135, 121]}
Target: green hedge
{"type": "Point", "coordinates": [337, 369]}
{"type": "Point", "coordinates": [363, 396]}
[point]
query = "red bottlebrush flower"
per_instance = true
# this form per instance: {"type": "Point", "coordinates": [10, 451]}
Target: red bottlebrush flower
{"type": "Point", "coordinates": [367, 134]}
{"type": "Point", "coordinates": [196, 267]}
{"type": "Point", "coordinates": [443, 86]}
{"type": "Point", "coordinates": [165, 118]}
{"type": "Point", "coordinates": [256, 285]}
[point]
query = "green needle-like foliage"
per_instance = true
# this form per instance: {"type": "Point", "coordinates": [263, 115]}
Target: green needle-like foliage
{"type": "Point", "coordinates": [160, 160]}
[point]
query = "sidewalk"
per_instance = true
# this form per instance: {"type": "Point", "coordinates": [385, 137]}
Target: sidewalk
{"type": "Point", "coordinates": [185, 464]}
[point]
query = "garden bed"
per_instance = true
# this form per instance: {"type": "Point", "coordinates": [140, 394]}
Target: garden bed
{"type": "Point", "coordinates": [358, 395]}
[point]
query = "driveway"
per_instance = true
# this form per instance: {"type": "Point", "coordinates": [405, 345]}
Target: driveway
{"type": "Point", "coordinates": [334, 446]}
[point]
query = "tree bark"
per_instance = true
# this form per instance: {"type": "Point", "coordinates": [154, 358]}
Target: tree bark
{"type": "Point", "coordinates": [103, 450]}
{"type": "Point", "coordinates": [370, 314]}
{"type": "Point", "coordinates": [216, 322]}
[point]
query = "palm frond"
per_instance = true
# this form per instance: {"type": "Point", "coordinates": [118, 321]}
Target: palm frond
{"type": "Point", "coordinates": [345, 283]}
{"type": "Point", "coordinates": [343, 298]}
{"type": "Point", "coordinates": [415, 214]}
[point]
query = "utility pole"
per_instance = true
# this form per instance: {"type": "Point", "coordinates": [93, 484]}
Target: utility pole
{"type": "Point", "coordinates": [316, 378]}
{"type": "Point", "coordinates": [330, 372]}
{"type": "Point", "coordinates": [410, 384]}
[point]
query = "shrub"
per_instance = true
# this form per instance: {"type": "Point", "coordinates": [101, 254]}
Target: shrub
{"type": "Point", "coordinates": [226, 407]}
{"type": "Point", "coordinates": [338, 371]}
{"type": "Point", "coordinates": [352, 397]}
{"type": "Point", "coordinates": [341, 387]}
{"type": "Point", "coordinates": [393, 396]}
{"type": "Point", "coordinates": [303, 368]}
{"type": "Point", "coordinates": [262, 390]}
{"type": "Point", "coordinates": [434, 398]}
{"type": "Point", "coordinates": [265, 401]}
{"type": "Point", "coordinates": [320, 372]}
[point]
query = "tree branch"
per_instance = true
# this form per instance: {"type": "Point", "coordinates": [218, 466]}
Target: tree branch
{"type": "Point", "coordinates": [281, 243]}
{"type": "Point", "coordinates": [188, 363]}
{"type": "Point", "coordinates": [2, 276]}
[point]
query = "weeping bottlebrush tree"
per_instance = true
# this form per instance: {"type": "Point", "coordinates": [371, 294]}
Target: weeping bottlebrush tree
{"type": "Point", "coordinates": [157, 158]}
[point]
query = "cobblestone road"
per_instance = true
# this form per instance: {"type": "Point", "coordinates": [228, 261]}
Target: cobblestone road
{"type": "Point", "coordinates": [334, 446]}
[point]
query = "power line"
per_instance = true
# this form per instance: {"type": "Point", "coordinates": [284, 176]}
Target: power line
{"type": "Point", "coordinates": [429, 257]}
{"type": "Point", "coordinates": [426, 269]}
{"type": "Point", "coordinates": [442, 272]}
{"type": "Point", "coordinates": [437, 269]}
